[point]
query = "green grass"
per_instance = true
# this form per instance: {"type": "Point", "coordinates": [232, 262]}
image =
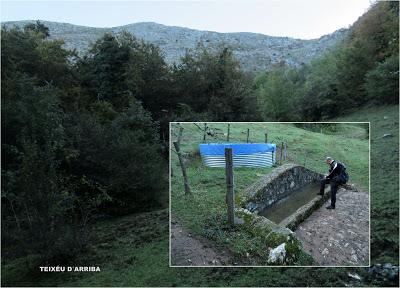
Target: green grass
{"type": "Point", "coordinates": [133, 251]}
{"type": "Point", "coordinates": [384, 180]}
{"type": "Point", "coordinates": [348, 144]}
{"type": "Point", "coordinates": [129, 258]}
{"type": "Point", "coordinates": [204, 212]}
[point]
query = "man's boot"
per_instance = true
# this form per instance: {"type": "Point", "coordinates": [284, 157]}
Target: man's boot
{"type": "Point", "coordinates": [333, 194]}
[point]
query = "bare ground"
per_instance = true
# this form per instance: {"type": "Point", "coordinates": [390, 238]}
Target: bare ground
{"type": "Point", "coordinates": [339, 237]}
{"type": "Point", "coordinates": [192, 250]}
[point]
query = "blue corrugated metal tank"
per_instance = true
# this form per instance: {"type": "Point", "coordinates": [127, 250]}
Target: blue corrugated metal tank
{"type": "Point", "coordinates": [244, 154]}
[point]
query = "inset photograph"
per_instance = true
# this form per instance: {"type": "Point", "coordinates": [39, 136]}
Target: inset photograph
{"type": "Point", "coordinates": [269, 194]}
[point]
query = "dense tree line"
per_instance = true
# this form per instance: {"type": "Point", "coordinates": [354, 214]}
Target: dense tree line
{"type": "Point", "coordinates": [363, 68]}
{"type": "Point", "coordinates": [69, 155]}
{"type": "Point", "coordinates": [85, 136]}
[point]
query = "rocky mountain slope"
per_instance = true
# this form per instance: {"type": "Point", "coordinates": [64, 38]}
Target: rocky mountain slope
{"type": "Point", "coordinates": [255, 52]}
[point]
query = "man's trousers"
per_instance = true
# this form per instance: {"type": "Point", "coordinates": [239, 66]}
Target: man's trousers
{"type": "Point", "coordinates": [334, 186]}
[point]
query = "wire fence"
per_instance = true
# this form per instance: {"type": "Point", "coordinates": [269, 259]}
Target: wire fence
{"type": "Point", "coordinates": [211, 134]}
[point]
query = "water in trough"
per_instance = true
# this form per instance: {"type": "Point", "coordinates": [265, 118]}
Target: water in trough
{"type": "Point", "coordinates": [290, 204]}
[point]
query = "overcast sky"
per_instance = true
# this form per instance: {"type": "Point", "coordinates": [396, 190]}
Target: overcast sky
{"type": "Point", "coordinates": [305, 19]}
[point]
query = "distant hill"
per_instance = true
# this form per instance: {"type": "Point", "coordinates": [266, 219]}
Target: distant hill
{"type": "Point", "coordinates": [255, 52]}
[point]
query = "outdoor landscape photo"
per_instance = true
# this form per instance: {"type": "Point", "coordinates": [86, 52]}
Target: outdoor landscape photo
{"type": "Point", "coordinates": [140, 139]}
{"type": "Point", "coordinates": [278, 211]}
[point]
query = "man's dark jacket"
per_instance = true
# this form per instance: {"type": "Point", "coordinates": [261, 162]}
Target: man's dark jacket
{"type": "Point", "coordinates": [335, 170]}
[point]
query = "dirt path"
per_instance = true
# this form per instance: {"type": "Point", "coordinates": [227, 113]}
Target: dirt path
{"type": "Point", "coordinates": [339, 237]}
{"type": "Point", "coordinates": [191, 250]}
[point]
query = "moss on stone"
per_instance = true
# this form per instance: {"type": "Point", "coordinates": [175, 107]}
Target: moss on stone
{"type": "Point", "coordinates": [239, 201]}
{"type": "Point", "coordinates": [272, 234]}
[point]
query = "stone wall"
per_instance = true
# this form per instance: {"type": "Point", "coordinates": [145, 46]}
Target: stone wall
{"type": "Point", "coordinates": [275, 186]}
{"type": "Point", "coordinates": [284, 248]}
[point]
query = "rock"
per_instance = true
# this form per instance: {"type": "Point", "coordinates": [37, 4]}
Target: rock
{"type": "Point", "coordinates": [354, 276]}
{"type": "Point", "coordinates": [325, 251]}
{"type": "Point", "coordinates": [238, 221]}
{"type": "Point", "coordinates": [251, 207]}
{"type": "Point", "coordinates": [354, 258]}
{"type": "Point", "coordinates": [351, 187]}
{"type": "Point", "coordinates": [386, 271]}
{"type": "Point", "coordinates": [278, 254]}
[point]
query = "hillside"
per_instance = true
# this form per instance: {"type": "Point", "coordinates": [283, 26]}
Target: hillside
{"type": "Point", "coordinates": [255, 52]}
{"type": "Point", "coordinates": [384, 179]}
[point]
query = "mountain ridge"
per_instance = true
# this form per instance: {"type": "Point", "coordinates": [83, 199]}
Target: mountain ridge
{"type": "Point", "coordinates": [255, 51]}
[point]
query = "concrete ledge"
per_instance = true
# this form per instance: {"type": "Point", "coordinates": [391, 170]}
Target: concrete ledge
{"type": "Point", "coordinates": [293, 221]}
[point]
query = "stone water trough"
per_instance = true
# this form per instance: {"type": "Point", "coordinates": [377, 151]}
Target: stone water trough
{"type": "Point", "coordinates": [273, 192]}
{"type": "Point", "coordinates": [279, 186]}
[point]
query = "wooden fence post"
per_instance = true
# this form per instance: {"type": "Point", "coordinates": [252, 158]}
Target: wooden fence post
{"type": "Point", "coordinates": [181, 162]}
{"type": "Point", "coordinates": [281, 155]}
{"type": "Point", "coordinates": [248, 132]}
{"type": "Point", "coordinates": [227, 136]}
{"type": "Point", "coordinates": [274, 156]}
{"type": "Point", "coordinates": [305, 157]}
{"type": "Point", "coordinates": [230, 197]}
{"type": "Point", "coordinates": [284, 152]}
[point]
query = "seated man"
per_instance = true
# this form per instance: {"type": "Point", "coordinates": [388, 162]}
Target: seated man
{"type": "Point", "coordinates": [334, 178]}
